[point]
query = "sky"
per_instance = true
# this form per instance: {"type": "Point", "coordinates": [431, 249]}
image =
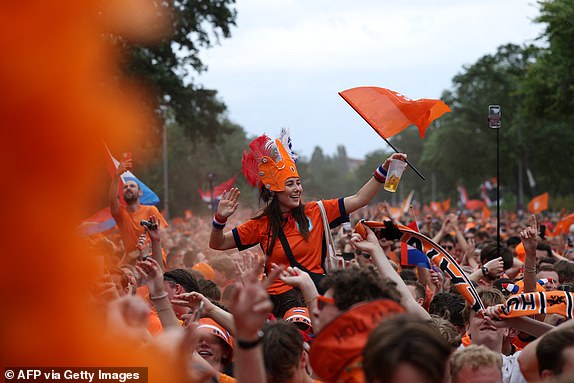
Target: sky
{"type": "Point", "coordinates": [287, 60]}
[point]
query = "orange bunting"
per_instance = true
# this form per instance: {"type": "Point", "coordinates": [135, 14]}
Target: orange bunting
{"type": "Point", "coordinates": [389, 112]}
{"type": "Point", "coordinates": [538, 204]}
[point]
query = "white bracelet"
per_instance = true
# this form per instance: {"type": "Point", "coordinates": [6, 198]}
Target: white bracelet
{"type": "Point", "coordinates": [161, 296]}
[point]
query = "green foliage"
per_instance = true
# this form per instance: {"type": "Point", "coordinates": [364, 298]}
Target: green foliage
{"type": "Point", "coordinates": [328, 177]}
{"type": "Point", "coordinates": [533, 85]}
{"type": "Point", "coordinates": [190, 162]}
{"type": "Point", "coordinates": [168, 67]}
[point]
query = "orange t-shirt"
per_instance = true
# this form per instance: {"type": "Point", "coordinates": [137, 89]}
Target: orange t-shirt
{"type": "Point", "coordinates": [129, 224]}
{"type": "Point", "coordinates": [225, 378]}
{"type": "Point", "coordinates": [308, 253]}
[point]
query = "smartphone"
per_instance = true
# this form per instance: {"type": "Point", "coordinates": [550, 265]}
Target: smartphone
{"type": "Point", "coordinates": [348, 256]}
{"type": "Point", "coordinates": [494, 116]}
{"type": "Point", "coordinates": [542, 231]}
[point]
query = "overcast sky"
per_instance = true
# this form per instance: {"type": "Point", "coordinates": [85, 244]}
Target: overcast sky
{"type": "Point", "coordinates": [287, 59]}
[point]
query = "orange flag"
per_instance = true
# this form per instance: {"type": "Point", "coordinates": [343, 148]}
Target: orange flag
{"type": "Point", "coordinates": [563, 226]}
{"type": "Point", "coordinates": [389, 112]}
{"type": "Point", "coordinates": [436, 207]}
{"type": "Point", "coordinates": [538, 203]}
{"type": "Point", "coordinates": [446, 205]}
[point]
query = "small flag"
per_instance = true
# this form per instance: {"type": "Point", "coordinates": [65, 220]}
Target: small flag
{"type": "Point", "coordinates": [217, 191]}
{"type": "Point", "coordinates": [538, 203]}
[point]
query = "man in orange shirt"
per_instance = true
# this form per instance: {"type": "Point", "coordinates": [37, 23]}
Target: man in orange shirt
{"type": "Point", "coordinates": [129, 216]}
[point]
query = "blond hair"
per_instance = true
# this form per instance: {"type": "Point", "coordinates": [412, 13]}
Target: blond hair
{"type": "Point", "coordinates": [475, 357]}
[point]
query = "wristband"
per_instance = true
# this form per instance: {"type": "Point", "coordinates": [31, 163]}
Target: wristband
{"type": "Point", "coordinates": [485, 271]}
{"type": "Point", "coordinates": [219, 218]}
{"type": "Point", "coordinates": [380, 174]}
{"type": "Point", "coordinates": [161, 296]}
{"type": "Point", "coordinates": [217, 224]}
{"type": "Point", "coordinates": [248, 344]}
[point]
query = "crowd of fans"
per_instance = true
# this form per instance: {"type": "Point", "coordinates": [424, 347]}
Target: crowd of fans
{"type": "Point", "coordinates": [424, 331]}
{"type": "Point", "coordinates": [495, 307]}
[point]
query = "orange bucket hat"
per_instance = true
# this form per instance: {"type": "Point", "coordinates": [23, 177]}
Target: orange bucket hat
{"type": "Point", "coordinates": [268, 164]}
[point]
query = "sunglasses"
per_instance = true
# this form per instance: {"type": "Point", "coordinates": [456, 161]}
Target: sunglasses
{"type": "Point", "coordinates": [322, 301]}
{"type": "Point", "coordinates": [448, 247]}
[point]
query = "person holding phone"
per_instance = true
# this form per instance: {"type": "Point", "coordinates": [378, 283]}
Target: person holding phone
{"type": "Point", "coordinates": [129, 216]}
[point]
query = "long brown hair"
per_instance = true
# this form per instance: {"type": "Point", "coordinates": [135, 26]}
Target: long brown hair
{"type": "Point", "coordinates": [273, 211]}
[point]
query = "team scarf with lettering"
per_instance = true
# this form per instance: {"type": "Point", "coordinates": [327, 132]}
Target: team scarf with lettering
{"type": "Point", "coordinates": [547, 302]}
{"type": "Point", "coordinates": [436, 254]}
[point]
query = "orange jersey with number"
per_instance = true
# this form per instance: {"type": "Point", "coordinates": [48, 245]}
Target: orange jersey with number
{"type": "Point", "coordinates": [308, 252]}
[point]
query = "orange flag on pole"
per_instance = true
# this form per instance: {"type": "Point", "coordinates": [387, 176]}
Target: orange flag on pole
{"type": "Point", "coordinates": [563, 226]}
{"type": "Point", "coordinates": [389, 112]}
{"type": "Point", "coordinates": [538, 203]}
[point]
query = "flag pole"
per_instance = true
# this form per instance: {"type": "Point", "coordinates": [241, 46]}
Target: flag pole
{"type": "Point", "coordinates": [387, 141]}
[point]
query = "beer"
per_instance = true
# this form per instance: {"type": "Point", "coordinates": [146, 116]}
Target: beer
{"type": "Point", "coordinates": [392, 183]}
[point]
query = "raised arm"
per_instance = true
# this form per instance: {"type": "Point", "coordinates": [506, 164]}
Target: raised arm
{"type": "Point", "coordinates": [371, 246]}
{"type": "Point", "coordinates": [226, 207]}
{"type": "Point", "coordinates": [153, 275]}
{"type": "Point", "coordinates": [529, 238]}
{"type": "Point", "coordinates": [373, 185]}
{"type": "Point", "coordinates": [125, 164]}
{"type": "Point", "coordinates": [250, 308]}
{"type": "Point", "coordinates": [155, 239]}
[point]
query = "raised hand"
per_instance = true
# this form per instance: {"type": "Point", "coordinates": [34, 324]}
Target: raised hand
{"type": "Point", "coordinates": [250, 307]}
{"type": "Point", "coordinates": [152, 274]}
{"type": "Point", "coordinates": [228, 203]}
{"type": "Point", "coordinates": [295, 277]}
{"type": "Point", "coordinates": [529, 236]}
{"type": "Point", "coordinates": [495, 267]}
{"type": "Point", "coordinates": [394, 156]}
{"type": "Point", "coordinates": [124, 165]}
{"type": "Point", "coordinates": [248, 262]}
{"type": "Point", "coordinates": [154, 231]}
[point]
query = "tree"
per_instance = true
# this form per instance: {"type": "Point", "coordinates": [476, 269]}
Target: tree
{"type": "Point", "coordinates": [169, 67]}
{"type": "Point", "coordinates": [461, 146]}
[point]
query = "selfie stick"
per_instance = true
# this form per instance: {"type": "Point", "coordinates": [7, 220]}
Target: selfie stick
{"type": "Point", "coordinates": [494, 122]}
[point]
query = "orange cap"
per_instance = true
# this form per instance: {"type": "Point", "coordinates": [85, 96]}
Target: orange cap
{"type": "Point", "coordinates": [298, 315]}
{"type": "Point", "coordinates": [206, 270]}
{"type": "Point", "coordinates": [210, 326]}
